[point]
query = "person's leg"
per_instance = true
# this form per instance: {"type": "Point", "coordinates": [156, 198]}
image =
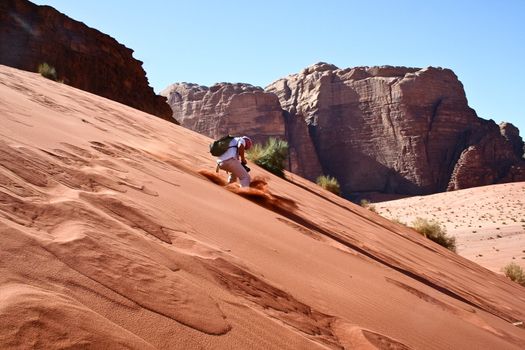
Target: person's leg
{"type": "Point", "coordinates": [236, 171]}
{"type": "Point", "coordinates": [231, 178]}
{"type": "Point", "coordinates": [244, 177]}
{"type": "Point", "coordinates": [227, 166]}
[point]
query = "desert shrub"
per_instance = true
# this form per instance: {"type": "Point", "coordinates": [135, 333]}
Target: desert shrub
{"type": "Point", "coordinates": [47, 71]}
{"type": "Point", "coordinates": [329, 183]}
{"type": "Point", "coordinates": [433, 230]}
{"type": "Point", "coordinates": [398, 221]}
{"type": "Point", "coordinates": [270, 156]}
{"type": "Point", "coordinates": [365, 203]}
{"type": "Point", "coordinates": [255, 153]}
{"type": "Point", "coordinates": [515, 273]}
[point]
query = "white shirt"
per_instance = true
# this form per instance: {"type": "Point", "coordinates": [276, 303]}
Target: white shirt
{"type": "Point", "coordinates": [232, 151]}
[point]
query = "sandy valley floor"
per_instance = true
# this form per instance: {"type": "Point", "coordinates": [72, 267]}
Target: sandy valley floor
{"type": "Point", "coordinates": [488, 222]}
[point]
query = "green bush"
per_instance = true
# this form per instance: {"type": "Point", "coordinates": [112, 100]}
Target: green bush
{"type": "Point", "coordinates": [270, 157]}
{"type": "Point", "coordinates": [515, 273]}
{"type": "Point", "coordinates": [365, 203]}
{"type": "Point", "coordinates": [255, 153]}
{"type": "Point", "coordinates": [47, 71]}
{"type": "Point", "coordinates": [434, 231]}
{"type": "Point", "coordinates": [329, 183]}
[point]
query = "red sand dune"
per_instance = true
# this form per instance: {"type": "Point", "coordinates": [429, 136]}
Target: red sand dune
{"type": "Point", "coordinates": [113, 236]}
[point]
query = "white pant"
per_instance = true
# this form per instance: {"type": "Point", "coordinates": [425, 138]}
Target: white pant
{"type": "Point", "coordinates": [236, 170]}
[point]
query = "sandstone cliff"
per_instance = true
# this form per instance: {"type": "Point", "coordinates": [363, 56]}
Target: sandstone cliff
{"type": "Point", "coordinates": [376, 129]}
{"type": "Point", "coordinates": [227, 108]}
{"type": "Point", "coordinates": [488, 158]}
{"type": "Point", "coordinates": [396, 129]}
{"type": "Point", "coordinates": [83, 57]}
{"type": "Point", "coordinates": [512, 134]}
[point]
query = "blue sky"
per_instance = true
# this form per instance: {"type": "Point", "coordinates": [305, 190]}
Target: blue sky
{"type": "Point", "coordinates": [258, 42]}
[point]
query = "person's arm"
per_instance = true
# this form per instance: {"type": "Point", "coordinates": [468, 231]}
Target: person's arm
{"type": "Point", "coordinates": [241, 153]}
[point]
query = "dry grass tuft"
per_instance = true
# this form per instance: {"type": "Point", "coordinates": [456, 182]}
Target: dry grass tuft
{"type": "Point", "coordinates": [329, 183]}
{"type": "Point", "coordinates": [515, 273]}
{"type": "Point", "coordinates": [47, 71]}
{"type": "Point", "coordinates": [433, 230]}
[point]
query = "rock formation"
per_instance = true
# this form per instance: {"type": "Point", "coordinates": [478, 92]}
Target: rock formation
{"type": "Point", "coordinates": [83, 57]}
{"type": "Point", "coordinates": [227, 108]}
{"type": "Point", "coordinates": [512, 134]}
{"type": "Point", "coordinates": [488, 158]}
{"type": "Point", "coordinates": [376, 129]}
{"type": "Point", "coordinates": [395, 129]}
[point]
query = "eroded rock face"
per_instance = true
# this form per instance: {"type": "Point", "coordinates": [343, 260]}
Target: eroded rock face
{"type": "Point", "coordinates": [376, 129]}
{"type": "Point", "coordinates": [394, 129]}
{"type": "Point", "coordinates": [83, 57]}
{"type": "Point", "coordinates": [512, 134]}
{"type": "Point", "coordinates": [492, 156]}
{"type": "Point", "coordinates": [224, 108]}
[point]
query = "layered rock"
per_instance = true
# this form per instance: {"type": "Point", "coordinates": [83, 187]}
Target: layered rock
{"type": "Point", "coordinates": [512, 134]}
{"type": "Point", "coordinates": [492, 156]}
{"type": "Point", "coordinates": [395, 129]}
{"type": "Point", "coordinates": [227, 108]}
{"type": "Point", "coordinates": [83, 57]}
{"type": "Point", "coordinates": [376, 129]}
{"type": "Point", "coordinates": [487, 159]}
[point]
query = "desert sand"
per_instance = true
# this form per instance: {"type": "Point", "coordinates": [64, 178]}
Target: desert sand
{"type": "Point", "coordinates": [488, 222]}
{"type": "Point", "coordinates": [117, 233]}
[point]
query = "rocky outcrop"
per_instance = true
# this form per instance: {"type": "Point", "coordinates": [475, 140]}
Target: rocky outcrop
{"type": "Point", "coordinates": [489, 158]}
{"type": "Point", "coordinates": [512, 135]}
{"type": "Point", "coordinates": [226, 108]}
{"type": "Point", "coordinates": [494, 155]}
{"type": "Point", "coordinates": [83, 57]}
{"type": "Point", "coordinates": [376, 129]}
{"type": "Point", "coordinates": [394, 129]}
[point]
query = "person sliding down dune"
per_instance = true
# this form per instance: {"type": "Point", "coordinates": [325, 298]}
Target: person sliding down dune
{"type": "Point", "coordinates": [233, 160]}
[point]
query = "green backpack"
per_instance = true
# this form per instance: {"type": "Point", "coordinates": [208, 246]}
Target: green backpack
{"type": "Point", "coordinates": [219, 146]}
